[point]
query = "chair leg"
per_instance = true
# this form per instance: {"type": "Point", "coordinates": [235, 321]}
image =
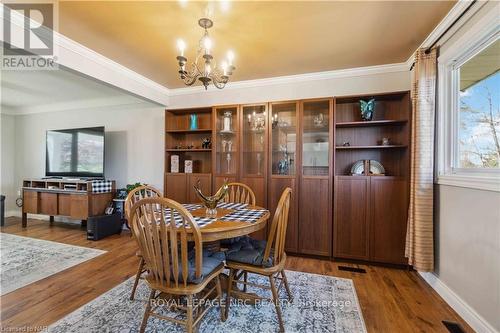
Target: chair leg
{"type": "Point", "coordinates": [147, 312]}
{"type": "Point", "coordinates": [245, 279]}
{"type": "Point", "coordinates": [276, 301]}
{"type": "Point", "coordinates": [137, 277]}
{"type": "Point", "coordinates": [189, 321]}
{"type": "Point", "coordinates": [228, 292]}
{"type": "Point", "coordinates": [219, 296]}
{"type": "Point", "coordinates": [285, 281]}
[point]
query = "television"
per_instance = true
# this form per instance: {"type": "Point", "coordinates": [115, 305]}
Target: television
{"type": "Point", "coordinates": [75, 152]}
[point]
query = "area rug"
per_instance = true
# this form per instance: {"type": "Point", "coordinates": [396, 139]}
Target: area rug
{"type": "Point", "coordinates": [26, 260]}
{"type": "Point", "coordinates": [321, 304]}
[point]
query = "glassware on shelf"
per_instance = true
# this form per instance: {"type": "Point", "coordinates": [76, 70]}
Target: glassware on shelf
{"type": "Point", "coordinates": [315, 138]}
{"type": "Point", "coordinates": [283, 136]}
{"type": "Point", "coordinates": [254, 143]}
{"type": "Point", "coordinates": [227, 127]}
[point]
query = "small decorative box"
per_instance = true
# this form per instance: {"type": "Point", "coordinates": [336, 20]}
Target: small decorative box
{"type": "Point", "coordinates": [174, 163]}
{"type": "Point", "coordinates": [188, 166]}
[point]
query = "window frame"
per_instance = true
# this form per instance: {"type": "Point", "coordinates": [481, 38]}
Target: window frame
{"type": "Point", "coordinates": [483, 34]}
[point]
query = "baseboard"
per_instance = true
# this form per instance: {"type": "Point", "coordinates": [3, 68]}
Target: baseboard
{"type": "Point", "coordinates": [476, 321]}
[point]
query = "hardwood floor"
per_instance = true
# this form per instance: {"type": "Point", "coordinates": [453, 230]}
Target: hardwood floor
{"type": "Point", "coordinates": [392, 300]}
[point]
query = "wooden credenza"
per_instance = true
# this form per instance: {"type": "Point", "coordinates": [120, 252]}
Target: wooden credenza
{"type": "Point", "coordinates": [49, 197]}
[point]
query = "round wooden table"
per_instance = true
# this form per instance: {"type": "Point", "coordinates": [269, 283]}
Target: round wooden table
{"type": "Point", "coordinates": [220, 230]}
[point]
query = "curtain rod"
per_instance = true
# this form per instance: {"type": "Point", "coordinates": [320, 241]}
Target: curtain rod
{"type": "Point", "coordinates": [446, 31]}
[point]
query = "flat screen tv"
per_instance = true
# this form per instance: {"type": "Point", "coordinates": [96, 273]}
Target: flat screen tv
{"type": "Point", "coordinates": [75, 152]}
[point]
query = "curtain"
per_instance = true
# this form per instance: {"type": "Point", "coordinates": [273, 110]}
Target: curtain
{"type": "Point", "coordinates": [420, 227]}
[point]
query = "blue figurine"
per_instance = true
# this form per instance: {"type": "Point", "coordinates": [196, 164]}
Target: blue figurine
{"type": "Point", "coordinates": [367, 109]}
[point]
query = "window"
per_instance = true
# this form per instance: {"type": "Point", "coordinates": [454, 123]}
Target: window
{"type": "Point", "coordinates": [478, 143]}
{"type": "Point", "coordinates": [468, 113]}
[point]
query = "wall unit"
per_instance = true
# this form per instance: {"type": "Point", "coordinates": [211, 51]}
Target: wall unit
{"type": "Point", "coordinates": [371, 211]}
{"type": "Point", "coordinates": [299, 144]}
{"type": "Point", "coordinates": [185, 141]}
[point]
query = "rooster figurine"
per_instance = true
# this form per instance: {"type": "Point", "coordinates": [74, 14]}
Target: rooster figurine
{"type": "Point", "coordinates": [211, 201]}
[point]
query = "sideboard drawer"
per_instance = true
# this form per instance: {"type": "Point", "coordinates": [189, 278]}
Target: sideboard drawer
{"type": "Point", "coordinates": [30, 202]}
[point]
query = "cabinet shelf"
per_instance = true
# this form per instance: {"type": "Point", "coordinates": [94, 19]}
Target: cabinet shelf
{"type": "Point", "coordinates": [370, 123]}
{"type": "Point", "coordinates": [370, 147]}
{"type": "Point", "coordinates": [188, 150]}
{"type": "Point", "coordinates": [182, 131]}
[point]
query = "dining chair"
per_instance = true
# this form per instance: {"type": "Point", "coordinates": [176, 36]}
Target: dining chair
{"type": "Point", "coordinates": [240, 193]}
{"type": "Point", "coordinates": [266, 258]}
{"type": "Point", "coordinates": [135, 195]}
{"type": "Point", "coordinates": [180, 275]}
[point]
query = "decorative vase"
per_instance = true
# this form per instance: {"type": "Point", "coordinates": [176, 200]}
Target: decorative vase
{"type": "Point", "coordinates": [193, 121]}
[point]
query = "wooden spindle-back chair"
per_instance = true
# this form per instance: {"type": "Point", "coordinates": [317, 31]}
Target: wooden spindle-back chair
{"type": "Point", "coordinates": [240, 193]}
{"type": "Point", "coordinates": [273, 259]}
{"type": "Point", "coordinates": [139, 193]}
{"type": "Point", "coordinates": [163, 228]}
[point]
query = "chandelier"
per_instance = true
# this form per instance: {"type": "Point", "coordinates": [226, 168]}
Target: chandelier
{"type": "Point", "coordinates": [204, 67]}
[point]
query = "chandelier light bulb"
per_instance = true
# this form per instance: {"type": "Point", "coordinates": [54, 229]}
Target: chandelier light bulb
{"type": "Point", "coordinates": [181, 45]}
{"type": "Point", "coordinates": [224, 67]}
{"type": "Point", "coordinates": [208, 69]}
{"type": "Point", "coordinates": [230, 57]}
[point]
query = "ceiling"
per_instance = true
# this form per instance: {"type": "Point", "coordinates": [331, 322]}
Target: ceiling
{"type": "Point", "coordinates": [56, 90]}
{"type": "Point", "coordinates": [269, 38]}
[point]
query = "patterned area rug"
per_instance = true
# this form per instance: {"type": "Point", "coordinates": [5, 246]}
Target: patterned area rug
{"type": "Point", "coordinates": [26, 260]}
{"type": "Point", "coordinates": [321, 304]}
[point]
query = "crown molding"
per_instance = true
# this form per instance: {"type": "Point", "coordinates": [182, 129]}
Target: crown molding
{"type": "Point", "coordinates": [300, 78]}
{"type": "Point", "coordinates": [104, 104]}
{"type": "Point", "coordinates": [80, 58]}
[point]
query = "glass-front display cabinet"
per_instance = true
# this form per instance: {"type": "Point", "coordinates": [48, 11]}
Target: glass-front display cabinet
{"type": "Point", "coordinates": [315, 138]}
{"type": "Point", "coordinates": [226, 145]}
{"type": "Point", "coordinates": [254, 140]}
{"type": "Point", "coordinates": [315, 222]}
{"type": "Point", "coordinates": [283, 140]}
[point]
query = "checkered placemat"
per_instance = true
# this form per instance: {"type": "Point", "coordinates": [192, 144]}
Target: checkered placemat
{"type": "Point", "coordinates": [200, 220]}
{"type": "Point", "coordinates": [232, 205]}
{"type": "Point", "coordinates": [191, 207]}
{"type": "Point", "coordinates": [245, 215]}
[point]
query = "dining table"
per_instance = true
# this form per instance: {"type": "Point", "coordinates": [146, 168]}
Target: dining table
{"type": "Point", "coordinates": [231, 220]}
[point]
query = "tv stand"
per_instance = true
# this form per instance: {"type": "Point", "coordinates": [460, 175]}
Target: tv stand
{"type": "Point", "coordinates": [75, 199]}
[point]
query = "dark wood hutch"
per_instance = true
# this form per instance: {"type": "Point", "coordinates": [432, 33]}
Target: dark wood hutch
{"type": "Point", "coordinates": [300, 144]}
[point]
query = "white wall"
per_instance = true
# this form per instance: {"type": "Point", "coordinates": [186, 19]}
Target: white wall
{"type": "Point", "coordinates": [134, 141]}
{"type": "Point", "coordinates": [7, 157]}
{"type": "Point", "coordinates": [468, 248]}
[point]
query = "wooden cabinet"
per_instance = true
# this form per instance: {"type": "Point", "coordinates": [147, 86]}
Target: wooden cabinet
{"type": "Point", "coordinates": [370, 218]}
{"type": "Point", "coordinates": [315, 186]}
{"type": "Point", "coordinates": [179, 186]}
{"type": "Point", "coordinates": [283, 159]}
{"type": "Point", "coordinates": [389, 215]}
{"type": "Point", "coordinates": [371, 210]}
{"type": "Point", "coordinates": [176, 186]}
{"type": "Point", "coordinates": [30, 202]}
{"type": "Point", "coordinates": [351, 217]}
{"type": "Point", "coordinates": [315, 231]}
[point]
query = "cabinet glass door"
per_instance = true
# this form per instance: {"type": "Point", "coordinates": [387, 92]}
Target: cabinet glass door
{"type": "Point", "coordinates": [254, 140]}
{"type": "Point", "coordinates": [226, 145]}
{"type": "Point", "coordinates": [283, 139]}
{"type": "Point", "coordinates": [315, 138]}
